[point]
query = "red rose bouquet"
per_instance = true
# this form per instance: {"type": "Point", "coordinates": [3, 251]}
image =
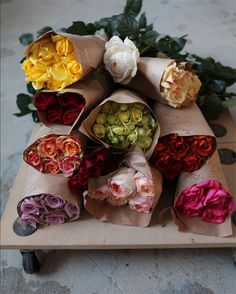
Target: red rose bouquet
{"type": "Point", "coordinates": [186, 140]}
{"type": "Point", "coordinates": [203, 203]}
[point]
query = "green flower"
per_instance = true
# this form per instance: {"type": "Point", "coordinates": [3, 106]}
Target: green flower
{"type": "Point", "coordinates": [99, 131]}
{"type": "Point", "coordinates": [124, 116]}
{"type": "Point", "coordinates": [145, 120]}
{"type": "Point", "coordinates": [118, 130]}
{"type": "Point", "coordinates": [131, 126]}
{"type": "Point", "coordinates": [111, 119]}
{"type": "Point", "coordinates": [132, 137]}
{"type": "Point", "coordinates": [106, 107]}
{"type": "Point", "coordinates": [121, 138]}
{"type": "Point", "coordinates": [141, 132]}
{"type": "Point", "coordinates": [136, 115]}
{"type": "Point", "coordinates": [123, 106]}
{"type": "Point", "coordinates": [147, 142]}
{"type": "Point", "coordinates": [114, 140]}
{"type": "Point", "coordinates": [101, 118]}
{"type": "Point", "coordinates": [115, 107]}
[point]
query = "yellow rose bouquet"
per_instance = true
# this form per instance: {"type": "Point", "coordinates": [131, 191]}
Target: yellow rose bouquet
{"type": "Point", "coordinates": [167, 81]}
{"type": "Point", "coordinates": [55, 61]}
{"type": "Point", "coordinates": [123, 121]}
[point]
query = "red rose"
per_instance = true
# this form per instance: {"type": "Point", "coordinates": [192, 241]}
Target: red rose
{"type": "Point", "coordinates": [203, 145]}
{"type": "Point", "coordinates": [71, 99]}
{"type": "Point", "coordinates": [44, 99]}
{"type": "Point", "coordinates": [177, 146]}
{"type": "Point", "coordinates": [53, 114]}
{"type": "Point", "coordinates": [69, 117]}
{"type": "Point", "coordinates": [192, 163]}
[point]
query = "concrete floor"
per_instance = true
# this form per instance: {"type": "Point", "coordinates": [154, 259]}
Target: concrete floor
{"type": "Point", "coordinates": [210, 26]}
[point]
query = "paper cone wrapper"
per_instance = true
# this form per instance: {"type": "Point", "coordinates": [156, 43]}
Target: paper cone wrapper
{"type": "Point", "coordinates": [211, 170]}
{"type": "Point", "coordinates": [123, 215]}
{"type": "Point", "coordinates": [34, 183]}
{"type": "Point", "coordinates": [148, 78]}
{"type": "Point", "coordinates": [119, 96]}
{"type": "Point", "coordinates": [89, 50]}
{"type": "Point", "coordinates": [93, 90]}
{"type": "Point", "coordinates": [186, 121]}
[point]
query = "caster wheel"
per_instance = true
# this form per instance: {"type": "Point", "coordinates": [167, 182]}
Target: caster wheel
{"type": "Point", "coordinates": [31, 263]}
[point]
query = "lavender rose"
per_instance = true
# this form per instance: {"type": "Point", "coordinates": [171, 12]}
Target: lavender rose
{"type": "Point", "coordinates": [56, 217]}
{"type": "Point", "coordinates": [54, 202]}
{"type": "Point", "coordinates": [71, 210]}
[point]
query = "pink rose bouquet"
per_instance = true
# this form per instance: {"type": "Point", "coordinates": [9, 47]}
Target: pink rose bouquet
{"type": "Point", "coordinates": [208, 200]}
{"type": "Point", "coordinates": [46, 209]}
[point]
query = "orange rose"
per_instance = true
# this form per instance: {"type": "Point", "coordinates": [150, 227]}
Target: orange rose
{"type": "Point", "coordinates": [50, 166]}
{"type": "Point", "coordinates": [47, 147]}
{"type": "Point", "coordinates": [69, 146]}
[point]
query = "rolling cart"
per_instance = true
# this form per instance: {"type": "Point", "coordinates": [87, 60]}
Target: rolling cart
{"type": "Point", "coordinates": [89, 233]}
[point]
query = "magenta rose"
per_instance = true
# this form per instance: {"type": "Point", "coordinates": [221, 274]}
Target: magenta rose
{"type": "Point", "coordinates": [71, 210]}
{"type": "Point", "coordinates": [214, 215]}
{"type": "Point", "coordinates": [54, 202]}
{"type": "Point", "coordinates": [56, 217]}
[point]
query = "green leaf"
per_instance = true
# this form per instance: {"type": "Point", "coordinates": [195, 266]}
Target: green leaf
{"type": "Point", "coordinates": [23, 59]}
{"type": "Point", "coordinates": [126, 26]}
{"type": "Point", "coordinates": [77, 28]}
{"type": "Point", "coordinates": [171, 46]}
{"type": "Point", "coordinates": [217, 86]}
{"type": "Point", "coordinates": [133, 7]}
{"type": "Point", "coordinates": [229, 102]}
{"type": "Point", "coordinates": [22, 101]}
{"type": "Point", "coordinates": [26, 39]}
{"type": "Point", "coordinates": [31, 89]}
{"type": "Point", "coordinates": [212, 107]}
{"type": "Point", "coordinates": [142, 21]}
{"type": "Point", "coordinates": [43, 31]}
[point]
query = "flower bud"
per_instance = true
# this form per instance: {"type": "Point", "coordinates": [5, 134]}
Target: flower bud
{"type": "Point", "coordinates": [106, 107]}
{"type": "Point", "coordinates": [124, 116]}
{"type": "Point", "coordinates": [131, 126]}
{"type": "Point", "coordinates": [132, 137]}
{"type": "Point", "coordinates": [119, 130]}
{"type": "Point", "coordinates": [147, 142]}
{"type": "Point", "coordinates": [101, 118]}
{"type": "Point", "coordinates": [141, 132]}
{"type": "Point", "coordinates": [99, 131]}
{"type": "Point", "coordinates": [123, 107]}
{"type": "Point", "coordinates": [145, 120]}
{"type": "Point", "coordinates": [114, 140]}
{"type": "Point", "coordinates": [111, 119]}
{"type": "Point", "coordinates": [121, 138]}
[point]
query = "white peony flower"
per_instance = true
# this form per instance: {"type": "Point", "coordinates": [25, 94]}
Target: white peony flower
{"type": "Point", "coordinates": [121, 59]}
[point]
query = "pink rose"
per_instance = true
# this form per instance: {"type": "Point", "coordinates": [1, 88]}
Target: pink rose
{"type": "Point", "coordinates": [69, 163]}
{"type": "Point", "coordinates": [144, 185]}
{"type": "Point", "coordinates": [141, 203]}
{"type": "Point", "coordinates": [122, 184]}
{"type": "Point", "coordinates": [214, 215]}
{"type": "Point", "coordinates": [56, 217]}
{"type": "Point", "coordinates": [188, 212]}
{"type": "Point", "coordinates": [101, 193]}
{"type": "Point", "coordinates": [192, 198]}
{"type": "Point", "coordinates": [53, 201]}
{"type": "Point", "coordinates": [71, 210]}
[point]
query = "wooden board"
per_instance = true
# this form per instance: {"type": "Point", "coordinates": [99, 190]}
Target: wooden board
{"type": "Point", "coordinates": [88, 233]}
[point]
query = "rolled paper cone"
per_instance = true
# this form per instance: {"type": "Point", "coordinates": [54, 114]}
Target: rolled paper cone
{"type": "Point", "coordinates": [186, 121]}
{"type": "Point", "coordinates": [89, 49]}
{"type": "Point", "coordinates": [123, 215]}
{"type": "Point", "coordinates": [148, 78]}
{"type": "Point", "coordinates": [93, 90]}
{"type": "Point", "coordinates": [57, 130]}
{"type": "Point", "coordinates": [33, 183]}
{"type": "Point", "coordinates": [119, 96]}
{"type": "Point", "coordinates": [211, 170]}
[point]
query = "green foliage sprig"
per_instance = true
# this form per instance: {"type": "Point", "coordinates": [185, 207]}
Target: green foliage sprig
{"type": "Point", "coordinates": [215, 77]}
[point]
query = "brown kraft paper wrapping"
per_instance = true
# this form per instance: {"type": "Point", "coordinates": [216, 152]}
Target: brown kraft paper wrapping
{"type": "Point", "coordinates": [210, 170]}
{"type": "Point", "coordinates": [123, 215]}
{"type": "Point", "coordinates": [148, 78]}
{"type": "Point", "coordinates": [34, 183]}
{"type": "Point", "coordinates": [119, 96]}
{"type": "Point", "coordinates": [93, 90]}
{"type": "Point", "coordinates": [186, 121]}
{"type": "Point", "coordinates": [89, 50]}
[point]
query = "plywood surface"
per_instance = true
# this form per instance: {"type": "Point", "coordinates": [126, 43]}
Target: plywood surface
{"type": "Point", "coordinates": [88, 233]}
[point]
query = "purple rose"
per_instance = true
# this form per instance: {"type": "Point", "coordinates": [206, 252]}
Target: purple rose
{"type": "Point", "coordinates": [29, 219]}
{"type": "Point", "coordinates": [71, 210]}
{"type": "Point", "coordinates": [56, 217]}
{"type": "Point", "coordinates": [28, 205]}
{"type": "Point", "coordinates": [54, 202]}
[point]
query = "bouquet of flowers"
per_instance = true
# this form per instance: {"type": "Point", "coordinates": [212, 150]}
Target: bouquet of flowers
{"type": "Point", "coordinates": [120, 110]}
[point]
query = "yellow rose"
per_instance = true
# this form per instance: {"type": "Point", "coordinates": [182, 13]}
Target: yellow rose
{"type": "Point", "coordinates": [38, 75]}
{"type": "Point", "coordinates": [136, 114]}
{"type": "Point", "coordinates": [63, 45]}
{"type": "Point", "coordinates": [99, 131]}
{"type": "Point", "coordinates": [179, 86]}
{"type": "Point", "coordinates": [101, 118]}
{"type": "Point", "coordinates": [124, 116]}
{"type": "Point", "coordinates": [75, 69]}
